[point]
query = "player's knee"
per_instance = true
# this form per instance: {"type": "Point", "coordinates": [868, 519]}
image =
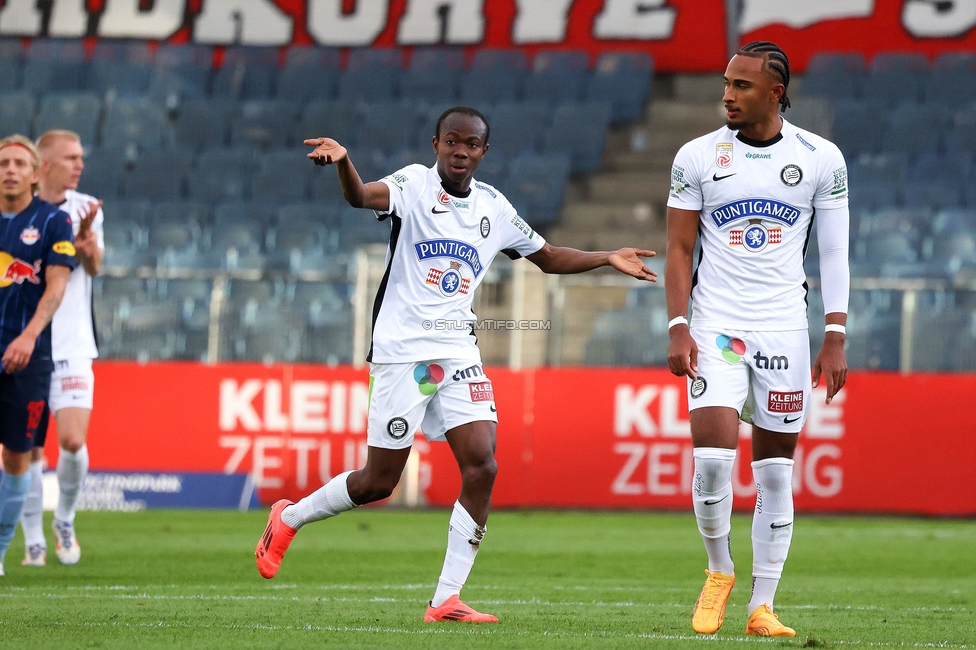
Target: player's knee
{"type": "Point", "coordinates": [480, 473]}
{"type": "Point", "coordinates": [72, 443]}
{"type": "Point", "coordinates": [375, 488]}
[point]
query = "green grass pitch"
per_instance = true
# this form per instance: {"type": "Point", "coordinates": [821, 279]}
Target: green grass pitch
{"type": "Point", "coordinates": [555, 579]}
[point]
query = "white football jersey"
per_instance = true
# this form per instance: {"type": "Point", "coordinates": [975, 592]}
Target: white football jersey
{"type": "Point", "coordinates": [73, 326]}
{"type": "Point", "coordinates": [440, 248]}
{"type": "Point", "coordinates": [756, 202]}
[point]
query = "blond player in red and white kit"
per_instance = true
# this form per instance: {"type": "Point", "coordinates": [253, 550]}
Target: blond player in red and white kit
{"type": "Point", "coordinates": [74, 348]}
{"type": "Point", "coordinates": [750, 192]}
{"type": "Point", "coordinates": [425, 366]}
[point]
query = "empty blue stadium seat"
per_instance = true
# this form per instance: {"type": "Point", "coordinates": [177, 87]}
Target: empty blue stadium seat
{"type": "Point", "coordinates": [203, 123]}
{"type": "Point", "coordinates": [78, 112]}
{"type": "Point", "coordinates": [558, 77]}
{"type": "Point", "coordinates": [952, 81]}
{"type": "Point", "coordinates": [954, 220]}
{"type": "Point", "coordinates": [128, 210]}
{"type": "Point", "coordinates": [936, 180]}
{"type": "Point", "coordinates": [135, 123]}
{"type": "Point", "coordinates": [581, 131]}
{"type": "Point", "coordinates": [104, 170]}
{"type": "Point", "coordinates": [390, 127]}
{"type": "Point", "coordinates": [248, 73]}
{"type": "Point", "coordinates": [835, 76]}
{"type": "Point", "coordinates": [371, 75]}
{"type": "Point", "coordinates": [264, 124]}
{"type": "Point", "coordinates": [193, 212]}
{"type": "Point", "coordinates": [221, 175]}
{"type": "Point", "coordinates": [433, 75]}
{"type": "Point", "coordinates": [181, 71]}
{"type": "Point", "coordinates": [283, 176]}
{"type": "Point", "coordinates": [536, 185]}
{"type": "Point", "coordinates": [157, 176]}
{"type": "Point", "coordinates": [624, 79]}
{"type": "Point", "coordinates": [11, 64]}
{"type": "Point", "coordinates": [896, 78]}
{"type": "Point", "coordinates": [518, 127]}
{"type": "Point", "coordinates": [120, 68]}
{"type": "Point", "coordinates": [319, 213]}
{"type": "Point", "coordinates": [310, 73]}
{"type": "Point", "coordinates": [915, 128]}
{"type": "Point", "coordinates": [332, 119]}
{"type": "Point", "coordinates": [496, 75]}
{"type": "Point", "coordinates": [16, 113]}
{"type": "Point", "coordinates": [961, 136]}
{"type": "Point", "coordinates": [858, 127]}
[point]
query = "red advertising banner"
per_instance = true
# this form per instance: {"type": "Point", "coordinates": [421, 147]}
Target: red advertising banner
{"type": "Point", "coordinates": [681, 35]}
{"type": "Point", "coordinates": [600, 438]}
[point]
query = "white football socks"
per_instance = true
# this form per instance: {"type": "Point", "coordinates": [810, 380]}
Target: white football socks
{"type": "Point", "coordinates": [72, 472]}
{"type": "Point", "coordinates": [328, 501]}
{"type": "Point", "coordinates": [32, 517]}
{"type": "Point", "coordinates": [772, 527]}
{"type": "Point", "coordinates": [463, 541]}
{"type": "Point", "coordinates": [711, 492]}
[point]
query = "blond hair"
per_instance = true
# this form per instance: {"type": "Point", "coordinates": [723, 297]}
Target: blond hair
{"type": "Point", "coordinates": [48, 138]}
{"type": "Point", "coordinates": [21, 141]}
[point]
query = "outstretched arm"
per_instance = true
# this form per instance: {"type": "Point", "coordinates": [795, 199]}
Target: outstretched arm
{"type": "Point", "coordinates": [373, 196]}
{"type": "Point", "coordinates": [682, 234]}
{"type": "Point", "coordinates": [562, 260]}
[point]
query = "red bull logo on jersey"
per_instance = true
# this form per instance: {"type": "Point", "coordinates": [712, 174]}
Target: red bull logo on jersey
{"type": "Point", "coordinates": [458, 250]}
{"type": "Point", "coordinates": [16, 271]}
{"type": "Point", "coordinates": [30, 235]}
{"type": "Point", "coordinates": [755, 208]}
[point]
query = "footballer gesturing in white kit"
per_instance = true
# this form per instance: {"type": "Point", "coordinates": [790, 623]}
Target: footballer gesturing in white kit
{"type": "Point", "coordinates": [425, 366]}
{"type": "Point", "coordinates": [74, 348]}
{"type": "Point", "coordinates": [750, 191]}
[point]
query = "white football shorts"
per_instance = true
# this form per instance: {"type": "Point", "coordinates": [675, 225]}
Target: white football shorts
{"type": "Point", "coordinates": [765, 376]}
{"type": "Point", "coordinates": [72, 385]}
{"type": "Point", "coordinates": [431, 396]}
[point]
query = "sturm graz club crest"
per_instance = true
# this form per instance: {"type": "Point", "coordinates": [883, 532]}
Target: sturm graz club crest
{"type": "Point", "coordinates": [755, 237]}
{"type": "Point", "coordinates": [698, 386]}
{"type": "Point", "coordinates": [397, 428]}
{"type": "Point", "coordinates": [485, 226]}
{"type": "Point", "coordinates": [791, 175]}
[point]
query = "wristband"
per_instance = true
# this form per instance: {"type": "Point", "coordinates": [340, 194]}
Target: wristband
{"type": "Point", "coordinates": [833, 327]}
{"type": "Point", "coordinates": [677, 320]}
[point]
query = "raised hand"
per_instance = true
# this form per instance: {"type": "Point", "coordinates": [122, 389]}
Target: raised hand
{"type": "Point", "coordinates": [327, 151]}
{"type": "Point", "coordinates": [628, 260]}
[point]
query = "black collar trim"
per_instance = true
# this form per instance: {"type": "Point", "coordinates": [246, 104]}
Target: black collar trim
{"type": "Point", "coordinates": [759, 144]}
{"type": "Point", "coordinates": [457, 195]}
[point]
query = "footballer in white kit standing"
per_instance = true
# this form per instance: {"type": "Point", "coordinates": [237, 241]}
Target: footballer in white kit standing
{"type": "Point", "coordinates": [425, 365]}
{"type": "Point", "coordinates": [74, 348]}
{"type": "Point", "coordinates": [750, 191]}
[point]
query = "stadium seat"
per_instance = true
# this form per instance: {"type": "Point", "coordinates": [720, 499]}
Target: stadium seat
{"type": "Point", "coordinates": [896, 78]}
{"type": "Point", "coordinates": [876, 180]}
{"type": "Point", "coordinates": [858, 127]}
{"type": "Point", "coordinates": [104, 172]}
{"type": "Point", "coordinates": [496, 75]}
{"type": "Point", "coordinates": [433, 75]}
{"type": "Point", "coordinates": [264, 124]}
{"type": "Point", "coordinates": [835, 76]}
{"type": "Point", "coordinates": [915, 128]}
{"type": "Point", "coordinates": [579, 130]}
{"type": "Point", "coordinates": [193, 212]}
{"type": "Point", "coordinates": [874, 329]}
{"type": "Point", "coordinates": [536, 185]}
{"type": "Point", "coordinates": [625, 80]}
{"type": "Point", "coordinates": [11, 65]}
{"type": "Point", "coordinates": [371, 75]}
{"type": "Point", "coordinates": [936, 180]}
{"type": "Point", "coordinates": [418, 156]}
{"type": "Point", "coordinates": [891, 247]}
{"type": "Point", "coordinates": [78, 112]}
{"type": "Point", "coordinates": [332, 119]}
{"type": "Point", "coordinates": [221, 175]}
{"type": "Point", "coordinates": [870, 195]}
{"type": "Point", "coordinates": [310, 74]}
{"type": "Point", "coordinates": [954, 248]}
{"type": "Point", "coordinates": [127, 210]}
{"type": "Point", "coordinates": [282, 177]}
{"type": "Point", "coordinates": [961, 137]}
{"type": "Point", "coordinates": [181, 72]}
{"type": "Point", "coordinates": [558, 77]}
{"type": "Point", "coordinates": [203, 123]}
{"type": "Point", "coordinates": [16, 113]}
{"type": "Point", "coordinates": [359, 227]}
{"type": "Point", "coordinates": [157, 176]}
{"type": "Point", "coordinates": [319, 213]}
{"type": "Point", "coordinates": [952, 81]}
{"type": "Point", "coordinates": [518, 127]}
{"type": "Point", "coordinates": [122, 69]}
{"type": "Point", "coordinates": [954, 220]}
{"type": "Point", "coordinates": [141, 124]}
{"type": "Point", "coordinates": [248, 73]}
{"type": "Point", "coordinates": [389, 127]}
{"type": "Point", "coordinates": [54, 65]}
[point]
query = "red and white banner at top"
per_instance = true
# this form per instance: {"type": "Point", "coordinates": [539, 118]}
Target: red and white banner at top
{"type": "Point", "coordinates": [681, 35]}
